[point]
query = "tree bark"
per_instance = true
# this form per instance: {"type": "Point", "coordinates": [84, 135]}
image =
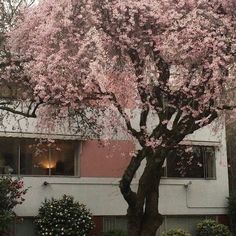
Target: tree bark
{"type": "Point", "coordinates": [143, 214]}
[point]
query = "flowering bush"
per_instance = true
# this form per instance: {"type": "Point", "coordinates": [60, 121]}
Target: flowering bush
{"type": "Point", "coordinates": [212, 228]}
{"type": "Point", "coordinates": [176, 232]}
{"type": "Point", "coordinates": [63, 217]}
{"type": "Point", "coordinates": [11, 194]}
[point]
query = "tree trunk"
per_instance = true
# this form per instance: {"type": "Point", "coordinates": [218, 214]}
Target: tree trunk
{"type": "Point", "coordinates": [143, 224]}
{"type": "Point", "coordinates": [143, 214]}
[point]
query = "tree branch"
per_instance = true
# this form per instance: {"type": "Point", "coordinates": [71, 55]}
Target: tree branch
{"type": "Point", "coordinates": [12, 110]}
{"type": "Point", "coordinates": [31, 113]}
{"type": "Point", "coordinates": [134, 132]}
{"type": "Point", "coordinates": [143, 118]}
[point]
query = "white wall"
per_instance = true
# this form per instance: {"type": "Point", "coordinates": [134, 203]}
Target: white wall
{"type": "Point", "coordinates": [102, 196]}
{"type": "Point", "coordinates": [177, 196]}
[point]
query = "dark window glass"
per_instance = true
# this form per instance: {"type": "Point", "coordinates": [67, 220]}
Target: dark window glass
{"type": "Point", "coordinates": [56, 159]}
{"type": "Point", "coordinates": [9, 156]}
{"type": "Point", "coordinates": [28, 157]}
{"type": "Point", "coordinates": [200, 163]}
{"type": "Point", "coordinates": [62, 158]}
{"type": "Point", "coordinates": [33, 160]}
{"type": "Point", "coordinates": [24, 227]}
{"type": "Point", "coordinates": [210, 170]}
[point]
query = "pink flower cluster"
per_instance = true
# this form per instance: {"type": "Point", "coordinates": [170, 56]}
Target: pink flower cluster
{"type": "Point", "coordinates": [165, 55]}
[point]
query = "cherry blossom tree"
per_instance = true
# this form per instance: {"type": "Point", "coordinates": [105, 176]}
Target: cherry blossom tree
{"type": "Point", "coordinates": [167, 59]}
{"type": "Point", "coordinates": [10, 13]}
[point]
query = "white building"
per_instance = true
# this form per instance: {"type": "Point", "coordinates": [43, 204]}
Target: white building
{"type": "Point", "coordinates": [90, 172]}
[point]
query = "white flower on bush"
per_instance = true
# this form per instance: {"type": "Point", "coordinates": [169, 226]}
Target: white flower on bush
{"type": "Point", "coordinates": [63, 217]}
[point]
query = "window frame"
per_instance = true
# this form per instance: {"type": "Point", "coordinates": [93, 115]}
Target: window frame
{"type": "Point", "coordinates": [201, 144]}
{"type": "Point", "coordinates": [76, 157]}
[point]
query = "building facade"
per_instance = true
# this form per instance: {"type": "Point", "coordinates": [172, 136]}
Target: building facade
{"type": "Point", "coordinates": [90, 171]}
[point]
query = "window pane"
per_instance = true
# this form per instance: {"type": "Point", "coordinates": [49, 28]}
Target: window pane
{"type": "Point", "coordinates": [210, 162]}
{"type": "Point", "coordinates": [8, 156]}
{"type": "Point", "coordinates": [62, 158]}
{"type": "Point", "coordinates": [196, 168]}
{"type": "Point", "coordinates": [33, 160]}
{"type": "Point", "coordinates": [114, 223]}
{"type": "Point", "coordinates": [25, 227]}
{"type": "Point", "coordinates": [200, 163]}
{"type": "Point", "coordinates": [186, 164]}
{"type": "Point", "coordinates": [173, 165]}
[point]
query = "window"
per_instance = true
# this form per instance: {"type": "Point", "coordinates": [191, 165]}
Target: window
{"type": "Point", "coordinates": [199, 163]}
{"type": "Point", "coordinates": [24, 227]}
{"type": "Point", "coordinates": [114, 223]}
{"type": "Point", "coordinates": [27, 157]}
{"type": "Point", "coordinates": [8, 156]}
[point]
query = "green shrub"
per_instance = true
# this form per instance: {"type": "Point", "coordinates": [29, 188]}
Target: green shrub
{"type": "Point", "coordinates": [176, 232]}
{"type": "Point", "coordinates": [115, 233]}
{"type": "Point", "coordinates": [210, 227]}
{"type": "Point", "coordinates": [232, 211]}
{"type": "Point", "coordinates": [63, 217]}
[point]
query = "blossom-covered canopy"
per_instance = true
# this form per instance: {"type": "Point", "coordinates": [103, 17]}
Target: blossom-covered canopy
{"type": "Point", "coordinates": [169, 57]}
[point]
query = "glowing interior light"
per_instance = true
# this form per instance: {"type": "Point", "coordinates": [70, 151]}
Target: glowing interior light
{"type": "Point", "coordinates": [48, 164]}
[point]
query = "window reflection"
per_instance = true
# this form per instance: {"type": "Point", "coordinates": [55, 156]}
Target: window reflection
{"type": "Point", "coordinates": [32, 163]}
{"type": "Point", "coordinates": [8, 156]}
{"type": "Point", "coordinates": [25, 157]}
{"type": "Point", "coordinates": [62, 158]}
{"type": "Point", "coordinates": [199, 164]}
